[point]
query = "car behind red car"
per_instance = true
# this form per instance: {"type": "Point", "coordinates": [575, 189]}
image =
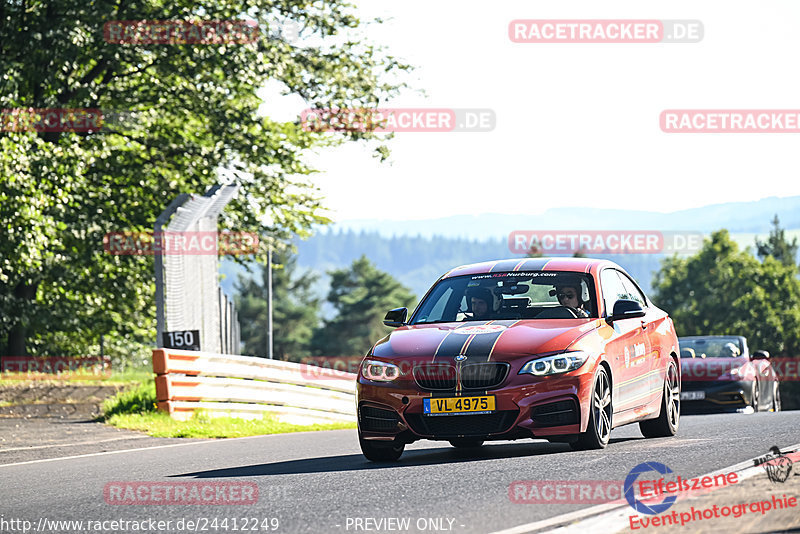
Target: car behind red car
{"type": "Point", "coordinates": [719, 373]}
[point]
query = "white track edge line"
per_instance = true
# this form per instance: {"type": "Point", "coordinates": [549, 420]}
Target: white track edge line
{"type": "Point", "coordinates": [170, 445]}
{"type": "Point", "coordinates": [35, 447]}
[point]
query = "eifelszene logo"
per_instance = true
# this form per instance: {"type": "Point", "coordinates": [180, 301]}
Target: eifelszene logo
{"type": "Point", "coordinates": [636, 504]}
{"type": "Point", "coordinates": [649, 490]}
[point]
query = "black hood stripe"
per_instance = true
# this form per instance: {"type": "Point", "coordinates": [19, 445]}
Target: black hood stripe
{"type": "Point", "coordinates": [504, 265]}
{"type": "Point", "coordinates": [451, 345]}
{"type": "Point", "coordinates": [481, 346]}
{"type": "Point", "coordinates": [534, 264]}
{"type": "Point", "coordinates": [475, 345]}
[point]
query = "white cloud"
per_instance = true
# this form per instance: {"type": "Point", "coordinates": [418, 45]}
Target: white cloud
{"type": "Point", "coordinates": [577, 124]}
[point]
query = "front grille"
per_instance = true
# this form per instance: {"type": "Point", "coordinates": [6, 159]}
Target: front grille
{"type": "Point", "coordinates": [443, 376]}
{"type": "Point", "coordinates": [483, 375]}
{"type": "Point", "coordinates": [377, 419]}
{"type": "Point", "coordinates": [555, 414]}
{"type": "Point", "coordinates": [435, 376]}
{"type": "Point", "coordinates": [447, 426]}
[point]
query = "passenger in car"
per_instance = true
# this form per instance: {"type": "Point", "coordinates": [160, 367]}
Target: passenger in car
{"type": "Point", "coordinates": [729, 350]}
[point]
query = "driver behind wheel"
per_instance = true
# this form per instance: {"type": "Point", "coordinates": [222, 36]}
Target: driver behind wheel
{"type": "Point", "coordinates": [570, 296]}
{"type": "Point", "coordinates": [480, 303]}
{"type": "Point", "coordinates": [729, 350]}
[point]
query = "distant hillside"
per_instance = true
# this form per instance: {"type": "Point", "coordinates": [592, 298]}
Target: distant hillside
{"type": "Point", "coordinates": [421, 251]}
{"type": "Point", "coordinates": [417, 261]}
{"type": "Point", "coordinates": [737, 217]}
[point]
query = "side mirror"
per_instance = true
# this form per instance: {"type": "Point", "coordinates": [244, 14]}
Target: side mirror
{"type": "Point", "coordinates": [625, 309]}
{"type": "Point", "coordinates": [396, 317]}
{"type": "Point", "coordinates": [760, 355]}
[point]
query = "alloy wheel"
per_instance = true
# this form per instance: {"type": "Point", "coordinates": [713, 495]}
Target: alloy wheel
{"type": "Point", "coordinates": [673, 395]}
{"type": "Point", "coordinates": [601, 407]}
{"type": "Point", "coordinates": [754, 400]}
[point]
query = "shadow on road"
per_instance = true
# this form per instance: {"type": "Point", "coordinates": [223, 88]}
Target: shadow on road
{"type": "Point", "coordinates": [357, 462]}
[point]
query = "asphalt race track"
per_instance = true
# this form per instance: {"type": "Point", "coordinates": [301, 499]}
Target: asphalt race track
{"type": "Point", "coordinates": [320, 482]}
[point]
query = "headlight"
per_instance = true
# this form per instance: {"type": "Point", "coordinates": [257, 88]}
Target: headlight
{"type": "Point", "coordinates": [556, 364]}
{"type": "Point", "coordinates": [379, 371]}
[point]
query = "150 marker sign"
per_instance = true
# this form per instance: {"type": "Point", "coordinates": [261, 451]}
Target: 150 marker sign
{"type": "Point", "coordinates": [182, 339]}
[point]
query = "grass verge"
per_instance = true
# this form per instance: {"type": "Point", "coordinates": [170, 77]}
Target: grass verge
{"type": "Point", "coordinates": [135, 409]}
{"type": "Point", "coordinates": [161, 425]}
{"type": "Point", "coordinates": [80, 376]}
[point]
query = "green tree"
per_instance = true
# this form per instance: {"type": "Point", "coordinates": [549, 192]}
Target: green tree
{"type": "Point", "coordinates": [535, 251]}
{"type": "Point", "coordinates": [188, 109]}
{"type": "Point", "coordinates": [360, 295]}
{"type": "Point", "coordinates": [724, 290]}
{"type": "Point", "coordinates": [777, 245]}
{"type": "Point", "coordinates": [294, 315]}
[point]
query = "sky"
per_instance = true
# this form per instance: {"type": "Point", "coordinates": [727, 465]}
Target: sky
{"type": "Point", "coordinates": [577, 123]}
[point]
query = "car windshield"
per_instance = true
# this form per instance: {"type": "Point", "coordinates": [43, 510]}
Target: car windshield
{"type": "Point", "coordinates": [512, 295]}
{"type": "Point", "coordinates": [710, 347]}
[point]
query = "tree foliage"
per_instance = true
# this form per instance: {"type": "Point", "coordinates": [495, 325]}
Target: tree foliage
{"type": "Point", "coordinates": [777, 245]}
{"type": "Point", "coordinates": [295, 311]}
{"type": "Point", "coordinates": [725, 290]}
{"type": "Point", "coordinates": [361, 295]}
{"type": "Point", "coordinates": [175, 113]}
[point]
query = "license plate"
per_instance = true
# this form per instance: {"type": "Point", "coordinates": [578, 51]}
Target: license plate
{"type": "Point", "coordinates": [693, 395]}
{"type": "Point", "coordinates": [458, 405]}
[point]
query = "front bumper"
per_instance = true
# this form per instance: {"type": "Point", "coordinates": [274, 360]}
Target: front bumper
{"type": "Point", "coordinates": [527, 407]}
{"type": "Point", "coordinates": [719, 395]}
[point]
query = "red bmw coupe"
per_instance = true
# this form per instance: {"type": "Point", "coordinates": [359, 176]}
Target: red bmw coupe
{"type": "Point", "coordinates": [563, 349]}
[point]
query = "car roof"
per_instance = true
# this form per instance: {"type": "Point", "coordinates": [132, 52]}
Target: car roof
{"type": "Point", "coordinates": [712, 336]}
{"type": "Point", "coordinates": [586, 265]}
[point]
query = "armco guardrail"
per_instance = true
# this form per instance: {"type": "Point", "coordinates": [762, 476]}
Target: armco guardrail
{"type": "Point", "coordinates": [248, 387]}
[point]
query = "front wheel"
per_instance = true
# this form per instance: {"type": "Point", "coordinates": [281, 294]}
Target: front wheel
{"type": "Point", "coordinates": [754, 401]}
{"type": "Point", "coordinates": [666, 424]}
{"type": "Point", "coordinates": [776, 398]}
{"type": "Point", "coordinates": [598, 431]}
{"type": "Point", "coordinates": [381, 451]}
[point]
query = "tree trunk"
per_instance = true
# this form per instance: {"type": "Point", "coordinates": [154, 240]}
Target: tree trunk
{"type": "Point", "coordinates": [16, 341]}
{"type": "Point", "coordinates": [18, 334]}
